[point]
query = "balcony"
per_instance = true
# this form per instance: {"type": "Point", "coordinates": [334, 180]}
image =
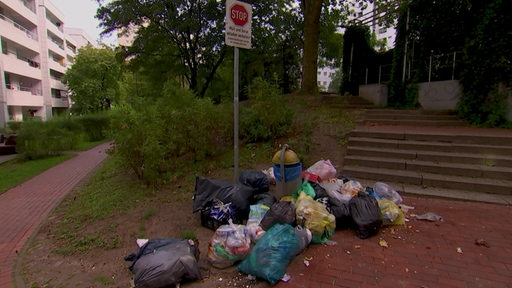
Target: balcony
{"type": "Point", "coordinates": [23, 7]}
{"type": "Point", "coordinates": [60, 102]}
{"type": "Point", "coordinates": [23, 96]}
{"type": "Point", "coordinates": [57, 66]}
{"type": "Point", "coordinates": [23, 66]}
{"type": "Point", "coordinates": [18, 33]}
{"type": "Point", "coordinates": [57, 84]}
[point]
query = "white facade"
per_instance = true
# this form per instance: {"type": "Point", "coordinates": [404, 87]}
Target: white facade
{"type": "Point", "coordinates": [35, 53]}
{"type": "Point", "coordinates": [324, 78]}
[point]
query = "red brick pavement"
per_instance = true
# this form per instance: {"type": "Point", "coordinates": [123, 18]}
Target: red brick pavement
{"type": "Point", "coordinates": [419, 254]}
{"type": "Point", "coordinates": [24, 207]}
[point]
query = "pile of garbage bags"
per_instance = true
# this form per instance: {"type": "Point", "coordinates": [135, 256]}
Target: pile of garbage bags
{"type": "Point", "coordinates": [270, 237]}
{"type": "Point", "coordinates": [259, 234]}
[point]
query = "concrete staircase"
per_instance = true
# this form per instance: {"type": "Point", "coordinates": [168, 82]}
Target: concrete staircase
{"type": "Point", "coordinates": [431, 154]}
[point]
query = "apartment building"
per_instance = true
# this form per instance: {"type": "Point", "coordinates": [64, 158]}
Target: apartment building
{"type": "Point", "coordinates": [35, 53]}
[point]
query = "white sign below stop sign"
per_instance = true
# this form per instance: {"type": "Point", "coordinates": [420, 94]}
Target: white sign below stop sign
{"type": "Point", "coordinates": [238, 24]}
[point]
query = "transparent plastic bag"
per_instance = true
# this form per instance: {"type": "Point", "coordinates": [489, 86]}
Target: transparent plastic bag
{"type": "Point", "coordinates": [323, 168]}
{"type": "Point", "coordinates": [386, 191]}
{"type": "Point", "coordinates": [229, 244]}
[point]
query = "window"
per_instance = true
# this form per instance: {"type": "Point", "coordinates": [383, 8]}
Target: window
{"type": "Point", "coordinates": [325, 73]}
{"type": "Point", "coordinates": [382, 30]}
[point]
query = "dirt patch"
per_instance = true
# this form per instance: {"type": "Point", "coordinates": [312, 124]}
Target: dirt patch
{"type": "Point", "coordinates": [42, 267]}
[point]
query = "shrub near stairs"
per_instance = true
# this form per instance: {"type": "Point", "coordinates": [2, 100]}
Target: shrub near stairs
{"type": "Point", "coordinates": [152, 138]}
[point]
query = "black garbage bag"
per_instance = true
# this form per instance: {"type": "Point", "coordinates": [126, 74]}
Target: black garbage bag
{"type": "Point", "coordinates": [341, 212]}
{"type": "Point", "coordinates": [255, 179]}
{"type": "Point", "coordinates": [237, 195]}
{"type": "Point", "coordinates": [165, 262]}
{"type": "Point", "coordinates": [365, 213]}
{"type": "Point", "coordinates": [319, 190]}
{"type": "Point", "coordinates": [265, 198]}
{"type": "Point", "coordinates": [279, 212]}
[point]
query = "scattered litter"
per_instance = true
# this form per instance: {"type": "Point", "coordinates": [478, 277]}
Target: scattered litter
{"type": "Point", "coordinates": [357, 246]}
{"type": "Point", "coordinates": [482, 242]}
{"type": "Point", "coordinates": [251, 277]}
{"type": "Point", "coordinates": [286, 278]}
{"type": "Point", "coordinates": [429, 216]}
{"type": "Point", "coordinates": [141, 242]}
{"type": "Point", "coordinates": [347, 251]}
{"type": "Point", "coordinates": [331, 243]}
{"type": "Point", "coordinates": [459, 250]}
{"type": "Point", "coordinates": [405, 208]}
{"type": "Point", "coordinates": [306, 262]}
{"type": "Point", "coordinates": [383, 243]}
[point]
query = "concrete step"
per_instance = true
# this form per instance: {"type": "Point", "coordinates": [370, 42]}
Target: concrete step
{"type": "Point", "coordinates": [463, 195]}
{"type": "Point", "coordinates": [432, 136]}
{"type": "Point", "coordinates": [414, 122]}
{"type": "Point", "coordinates": [444, 168]}
{"type": "Point", "coordinates": [481, 185]}
{"type": "Point", "coordinates": [483, 151]}
{"type": "Point", "coordinates": [489, 160]}
{"type": "Point", "coordinates": [411, 117]}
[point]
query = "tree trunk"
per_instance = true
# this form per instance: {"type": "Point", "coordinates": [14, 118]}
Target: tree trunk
{"type": "Point", "coordinates": [311, 11]}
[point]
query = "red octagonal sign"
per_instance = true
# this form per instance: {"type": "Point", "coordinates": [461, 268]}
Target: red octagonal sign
{"type": "Point", "coordinates": [239, 15]}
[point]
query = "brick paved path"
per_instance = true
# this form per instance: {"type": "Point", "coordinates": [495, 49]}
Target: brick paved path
{"type": "Point", "coordinates": [421, 254]}
{"type": "Point", "coordinates": [23, 208]}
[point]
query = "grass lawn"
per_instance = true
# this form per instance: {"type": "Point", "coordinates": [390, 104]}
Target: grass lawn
{"type": "Point", "coordinates": [17, 170]}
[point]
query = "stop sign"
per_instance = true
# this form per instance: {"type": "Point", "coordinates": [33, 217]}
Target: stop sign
{"type": "Point", "coordinates": [239, 15]}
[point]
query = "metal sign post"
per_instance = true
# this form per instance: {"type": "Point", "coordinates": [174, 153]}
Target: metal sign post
{"type": "Point", "coordinates": [238, 35]}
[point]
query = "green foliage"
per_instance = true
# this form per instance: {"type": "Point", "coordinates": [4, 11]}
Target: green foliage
{"type": "Point", "coordinates": [93, 80]}
{"type": "Point", "coordinates": [189, 35]}
{"type": "Point", "coordinates": [14, 126]}
{"type": "Point", "coordinates": [487, 65]}
{"type": "Point", "coordinates": [38, 139]}
{"type": "Point", "coordinates": [95, 126]}
{"type": "Point", "coordinates": [109, 192]}
{"type": "Point", "coordinates": [153, 137]}
{"type": "Point", "coordinates": [267, 116]}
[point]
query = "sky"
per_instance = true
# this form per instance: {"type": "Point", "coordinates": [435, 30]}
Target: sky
{"type": "Point", "coordinates": [80, 14]}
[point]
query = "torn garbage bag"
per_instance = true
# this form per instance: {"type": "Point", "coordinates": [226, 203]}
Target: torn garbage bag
{"type": "Point", "coordinates": [238, 195]}
{"type": "Point", "coordinates": [165, 263]}
{"type": "Point", "coordinates": [273, 253]}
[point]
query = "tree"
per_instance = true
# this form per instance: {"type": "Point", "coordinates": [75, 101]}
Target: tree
{"type": "Point", "coordinates": [194, 28]}
{"type": "Point", "coordinates": [93, 80]}
{"type": "Point", "coordinates": [311, 10]}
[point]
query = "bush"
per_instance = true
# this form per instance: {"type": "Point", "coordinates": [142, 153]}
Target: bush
{"type": "Point", "coordinates": [267, 116]}
{"type": "Point", "coordinates": [95, 126]}
{"type": "Point", "coordinates": [155, 138]}
{"type": "Point", "coordinates": [37, 139]}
